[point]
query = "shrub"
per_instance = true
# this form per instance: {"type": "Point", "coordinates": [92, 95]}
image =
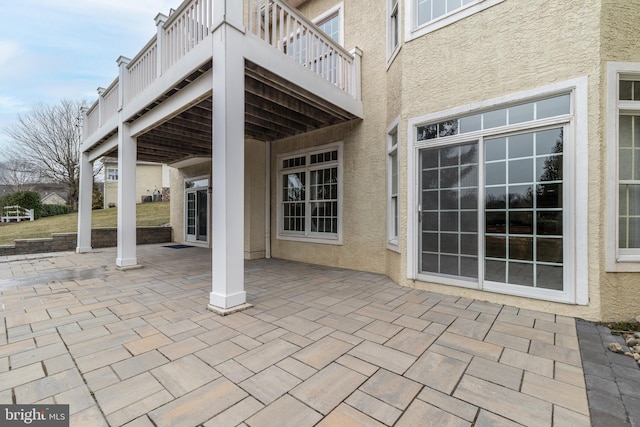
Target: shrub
{"type": "Point", "coordinates": [53, 210]}
{"type": "Point", "coordinates": [24, 199]}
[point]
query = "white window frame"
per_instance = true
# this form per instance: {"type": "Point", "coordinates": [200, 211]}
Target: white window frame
{"type": "Point", "coordinates": [393, 27]}
{"type": "Point", "coordinates": [109, 177]}
{"type": "Point", "coordinates": [412, 30]}
{"type": "Point", "coordinates": [617, 260]}
{"type": "Point", "coordinates": [393, 224]}
{"type": "Point", "coordinates": [309, 236]}
{"type": "Point", "coordinates": [335, 10]}
{"type": "Point", "coordinates": [575, 218]}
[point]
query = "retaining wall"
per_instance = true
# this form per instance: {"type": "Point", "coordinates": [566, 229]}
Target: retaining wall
{"type": "Point", "coordinates": [100, 238]}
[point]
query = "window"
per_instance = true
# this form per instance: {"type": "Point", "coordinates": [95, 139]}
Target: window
{"type": "Point", "coordinates": [393, 28]}
{"type": "Point", "coordinates": [311, 52]}
{"type": "Point", "coordinates": [424, 16]}
{"type": "Point", "coordinates": [623, 141]}
{"type": "Point", "coordinates": [331, 26]}
{"type": "Point", "coordinates": [498, 207]}
{"type": "Point", "coordinates": [112, 174]}
{"type": "Point", "coordinates": [392, 183]}
{"type": "Point", "coordinates": [310, 195]}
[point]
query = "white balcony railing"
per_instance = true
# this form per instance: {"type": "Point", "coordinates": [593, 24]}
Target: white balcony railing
{"type": "Point", "coordinates": [142, 70]}
{"type": "Point", "coordinates": [273, 21]}
{"type": "Point", "coordinates": [110, 102]}
{"type": "Point", "coordinates": [293, 35]}
{"type": "Point", "coordinates": [177, 34]}
{"type": "Point", "coordinates": [184, 29]}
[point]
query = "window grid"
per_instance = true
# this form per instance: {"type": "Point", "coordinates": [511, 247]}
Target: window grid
{"type": "Point", "coordinates": [112, 174]}
{"type": "Point", "coordinates": [629, 174]}
{"type": "Point", "coordinates": [430, 10]}
{"type": "Point", "coordinates": [310, 194]}
{"type": "Point", "coordinates": [449, 210]}
{"type": "Point", "coordinates": [293, 196]}
{"type": "Point", "coordinates": [523, 209]}
{"type": "Point", "coordinates": [519, 113]}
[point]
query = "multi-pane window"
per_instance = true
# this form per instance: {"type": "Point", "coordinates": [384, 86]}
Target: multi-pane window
{"type": "Point", "coordinates": [331, 26]}
{"type": "Point", "coordinates": [310, 194]}
{"type": "Point", "coordinates": [393, 30]}
{"type": "Point", "coordinates": [629, 166]}
{"type": "Point", "coordinates": [492, 205]}
{"type": "Point", "coordinates": [392, 179]}
{"type": "Point", "coordinates": [449, 186]}
{"type": "Point", "coordinates": [523, 209]}
{"type": "Point", "coordinates": [112, 174]}
{"type": "Point", "coordinates": [424, 16]}
{"type": "Point", "coordinates": [429, 10]}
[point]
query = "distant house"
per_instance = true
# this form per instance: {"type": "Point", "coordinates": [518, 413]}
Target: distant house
{"type": "Point", "coordinates": [52, 198]}
{"type": "Point", "coordinates": [152, 181]}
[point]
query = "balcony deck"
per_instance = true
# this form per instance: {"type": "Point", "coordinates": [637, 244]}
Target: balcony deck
{"type": "Point", "coordinates": [296, 80]}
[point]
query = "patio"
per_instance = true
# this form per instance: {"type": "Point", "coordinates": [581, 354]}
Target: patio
{"type": "Point", "coordinates": [321, 346]}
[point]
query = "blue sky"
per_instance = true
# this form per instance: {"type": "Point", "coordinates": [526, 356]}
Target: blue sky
{"type": "Point", "coordinates": [55, 49]}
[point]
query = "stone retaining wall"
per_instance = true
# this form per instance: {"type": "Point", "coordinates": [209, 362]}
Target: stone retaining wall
{"type": "Point", "coordinates": [100, 238]}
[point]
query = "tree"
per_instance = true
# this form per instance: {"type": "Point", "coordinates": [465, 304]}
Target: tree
{"type": "Point", "coordinates": [18, 175]}
{"type": "Point", "coordinates": [48, 138]}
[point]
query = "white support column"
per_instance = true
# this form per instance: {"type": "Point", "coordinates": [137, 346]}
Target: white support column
{"type": "Point", "coordinates": [127, 157]}
{"type": "Point", "coordinates": [228, 294]}
{"type": "Point", "coordinates": [85, 200]}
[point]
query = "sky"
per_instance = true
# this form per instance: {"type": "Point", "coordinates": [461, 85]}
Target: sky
{"type": "Point", "coordinates": [65, 49]}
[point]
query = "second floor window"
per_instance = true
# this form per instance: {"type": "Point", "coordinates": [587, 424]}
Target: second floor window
{"type": "Point", "coordinates": [424, 16]}
{"type": "Point", "coordinates": [112, 174]}
{"type": "Point", "coordinates": [429, 10]}
{"type": "Point", "coordinates": [393, 31]}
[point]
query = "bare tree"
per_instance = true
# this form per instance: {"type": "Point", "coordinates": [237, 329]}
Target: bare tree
{"type": "Point", "coordinates": [49, 139]}
{"type": "Point", "coordinates": [18, 175]}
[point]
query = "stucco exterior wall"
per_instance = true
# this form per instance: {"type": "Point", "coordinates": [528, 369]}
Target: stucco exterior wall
{"type": "Point", "coordinates": [505, 49]}
{"type": "Point", "coordinates": [508, 48]}
{"type": "Point", "coordinates": [177, 214]}
{"type": "Point", "coordinates": [364, 155]}
{"type": "Point", "coordinates": [254, 199]}
{"type": "Point", "coordinates": [620, 26]}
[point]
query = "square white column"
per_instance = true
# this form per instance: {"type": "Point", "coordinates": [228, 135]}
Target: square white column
{"type": "Point", "coordinates": [228, 292]}
{"type": "Point", "coordinates": [127, 156]}
{"type": "Point", "coordinates": [85, 200]}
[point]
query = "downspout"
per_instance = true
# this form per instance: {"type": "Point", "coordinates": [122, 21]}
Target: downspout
{"type": "Point", "coordinates": [267, 200]}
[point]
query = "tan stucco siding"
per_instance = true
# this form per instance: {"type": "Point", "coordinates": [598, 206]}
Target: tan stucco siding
{"type": "Point", "coordinates": [620, 23]}
{"type": "Point", "coordinates": [509, 48]}
{"type": "Point", "coordinates": [254, 200]}
{"type": "Point", "coordinates": [177, 178]}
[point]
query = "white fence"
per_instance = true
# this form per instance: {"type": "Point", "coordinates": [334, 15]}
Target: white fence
{"type": "Point", "coordinates": [16, 213]}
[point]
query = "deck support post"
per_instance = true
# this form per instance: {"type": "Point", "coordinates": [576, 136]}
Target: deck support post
{"type": "Point", "coordinates": [85, 200]}
{"type": "Point", "coordinates": [127, 157]}
{"type": "Point", "coordinates": [228, 294]}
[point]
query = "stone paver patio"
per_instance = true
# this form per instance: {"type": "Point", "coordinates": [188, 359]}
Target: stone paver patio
{"type": "Point", "coordinates": [322, 346]}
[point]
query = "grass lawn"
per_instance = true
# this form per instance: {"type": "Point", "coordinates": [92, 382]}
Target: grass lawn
{"type": "Point", "coordinates": [146, 214]}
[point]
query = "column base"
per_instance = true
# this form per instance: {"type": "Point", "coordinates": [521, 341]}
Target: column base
{"type": "Point", "coordinates": [83, 250]}
{"type": "Point", "coordinates": [226, 311]}
{"type": "Point", "coordinates": [128, 267]}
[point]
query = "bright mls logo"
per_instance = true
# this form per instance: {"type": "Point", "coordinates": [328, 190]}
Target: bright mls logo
{"type": "Point", "coordinates": [34, 415]}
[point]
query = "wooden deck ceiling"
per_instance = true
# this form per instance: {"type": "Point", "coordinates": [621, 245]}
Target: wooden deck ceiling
{"type": "Point", "coordinates": [274, 109]}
